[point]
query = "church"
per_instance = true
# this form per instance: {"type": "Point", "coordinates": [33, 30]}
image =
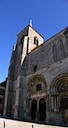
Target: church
{"type": "Point", "coordinates": [37, 82]}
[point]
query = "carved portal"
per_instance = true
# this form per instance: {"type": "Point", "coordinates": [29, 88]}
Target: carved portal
{"type": "Point", "coordinates": [59, 97]}
{"type": "Point", "coordinates": [33, 82]}
{"type": "Point", "coordinates": [37, 90]}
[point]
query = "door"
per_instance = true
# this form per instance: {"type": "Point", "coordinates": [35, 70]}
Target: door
{"type": "Point", "coordinates": [34, 109]}
{"type": "Point", "coordinates": [64, 109]}
{"type": "Point", "coordinates": [42, 109]}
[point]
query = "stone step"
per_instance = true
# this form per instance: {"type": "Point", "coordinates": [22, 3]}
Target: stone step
{"type": "Point", "coordinates": [6, 123]}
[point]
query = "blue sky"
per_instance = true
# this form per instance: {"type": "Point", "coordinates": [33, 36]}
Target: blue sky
{"type": "Point", "coordinates": [49, 17]}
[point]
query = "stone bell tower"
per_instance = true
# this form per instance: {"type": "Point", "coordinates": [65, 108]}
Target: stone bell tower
{"type": "Point", "coordinates": [27, 40]}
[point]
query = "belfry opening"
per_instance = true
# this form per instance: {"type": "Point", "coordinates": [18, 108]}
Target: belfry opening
{"type": "Point", "coordinates": [60, 97]}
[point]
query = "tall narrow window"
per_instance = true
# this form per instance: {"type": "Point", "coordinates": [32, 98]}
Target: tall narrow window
{"type": "Point", "coordinates": [0, 100]}
{"type": "Point", "coordinates": [2, 92]}
{"type": "Point", "coordinates": [36, 41]}
{"type": "Point", "coordinates": [35, 68]}
{"type": "Point", "coordinates": [38, 87]}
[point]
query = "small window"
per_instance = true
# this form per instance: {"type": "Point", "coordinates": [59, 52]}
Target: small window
{"type": "Point", "coordinates": [35, 68]}
{"type": "Point", "coordinates": [65, 32]}
{"type": "Point", "coordinates": [38, 87]}
{"type": "Point", "coordinates": [1, 92]}
{"type": "Point", "coordinates": [0, 100]}
{"type": "Point", "coordinates": [36, 41]}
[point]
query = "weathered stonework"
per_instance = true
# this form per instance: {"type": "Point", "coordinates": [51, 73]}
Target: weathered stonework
{"type": "Point", "coordinates": [2, 96]}
{"type": "Point", "coordinates": [37, 83]}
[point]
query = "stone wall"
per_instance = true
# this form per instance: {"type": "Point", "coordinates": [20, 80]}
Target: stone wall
{"type": "Point", "coordinates": [52, 51]}
{"type": "Point", "coordinates": [43, 65]}
{"type": "Point", "coordinates": [51, 59]}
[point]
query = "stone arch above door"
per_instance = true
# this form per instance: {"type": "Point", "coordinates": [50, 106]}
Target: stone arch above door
{"type": "Point", "coordinates": [59, 84]}
{"type": "Point", "coordinates": [35, 81]}
{"type": "Point", "coordinates": [59, 97]}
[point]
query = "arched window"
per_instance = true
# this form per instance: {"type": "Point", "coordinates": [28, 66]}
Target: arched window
{"type": "Point", "coordinates": [38, 87]}
{"type": "Point", "coordinates": [36, 41]}
{"type": "Point", "coordinates": [35, 68]}
{"type": "Point", "coordinates": [0, 100]}
{"type": "Point", "coordinates": [2, 92]}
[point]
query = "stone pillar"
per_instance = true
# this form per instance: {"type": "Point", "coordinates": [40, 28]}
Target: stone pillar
{"type": "Point", "coordinates": [37, 113]}
{"type": "Point", "coordinates": [47, 109]}
{"type": "Point", "coordinates": [24, 51]}
{"type": "Point", "coordinates": [55, 103]}
{"type": "Point", "coordinates": [52, 102]}
{"type": "Point", "coordinates": [6, 98]}
{"type": "Point", "coordinates": [21, 101]}
{"type": "Point", "coordinates": [17, 98]}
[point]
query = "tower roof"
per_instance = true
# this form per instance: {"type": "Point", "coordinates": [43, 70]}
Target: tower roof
{"type": "Point", "coordinates": [27, 29]}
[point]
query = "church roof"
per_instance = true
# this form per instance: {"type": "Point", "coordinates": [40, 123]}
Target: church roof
{"type": "Point", "coordinates": [48, 53]}
{"type": "Point", "coordinates": [62, 31]}
{"type": "Point", "coordinates": [3, 84]}
{"type": "Point", "coordinates": [65, 30]}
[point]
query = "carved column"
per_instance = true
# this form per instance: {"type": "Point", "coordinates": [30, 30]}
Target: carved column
{"type": "Point", "coordinates": [38, 114]}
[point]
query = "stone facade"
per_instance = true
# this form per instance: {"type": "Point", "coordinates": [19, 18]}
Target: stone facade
{"type": "Point", "coordinates": [37, 84]}
{"type": "Point", "coordinates": [2, 96]}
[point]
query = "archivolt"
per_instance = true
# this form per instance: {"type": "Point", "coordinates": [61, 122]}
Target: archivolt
{"type": "Point", "coordinates": [60, 83]}
{"type": "Point", "coordinates": [35, 79]}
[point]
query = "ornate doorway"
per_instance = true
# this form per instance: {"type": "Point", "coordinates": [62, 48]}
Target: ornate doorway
{"type": "Point", "coordinates": [36, 89]}
{"type": "Point", "coordinates": [33, 109]}
{"type": "Point", "coordinates": [59, 92]}
{"type": "Point", "coordinates": [64, 109]}
{"type": "Point", "coordinates": [42, 109]}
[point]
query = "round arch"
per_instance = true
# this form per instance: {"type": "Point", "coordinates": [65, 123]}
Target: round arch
{"type": "Point", "coordinates": [35, 93]}
{"type": "Point", "coordinates": [34, 80]}
{"type": "Point", "coordinates": [58, 83]}
{"type": "Point", "coordinates": [59, 96]}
